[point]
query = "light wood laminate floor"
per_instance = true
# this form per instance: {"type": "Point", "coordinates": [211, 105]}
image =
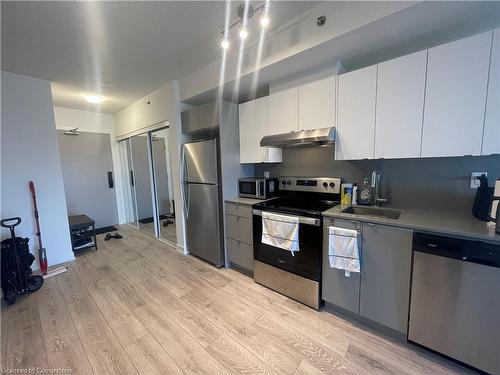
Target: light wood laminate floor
{"type": "Point", "coordinates": [138, 306]}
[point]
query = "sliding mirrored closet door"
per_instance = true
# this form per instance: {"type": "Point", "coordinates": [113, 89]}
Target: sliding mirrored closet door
{"type": "Point", "coordinates": [163, 186]}
{"type": "Point", "coordinates": [128, 182]}
{"type": "Point", "coordinates": [142, 182]}
{"type": "Point", "coordinates": [148, 194]}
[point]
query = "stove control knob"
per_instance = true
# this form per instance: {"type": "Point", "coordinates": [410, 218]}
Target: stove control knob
{"type": "Point", "coordinates": [332, 184]}
{"type": "Point", "coordinates": [283, 182]}
{"type": "Point", "coordinates": [325, 184]}
{"type": "Point", "coordinates": [289, 182]}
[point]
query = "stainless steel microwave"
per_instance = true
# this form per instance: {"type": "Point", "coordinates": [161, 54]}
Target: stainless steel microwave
{"type": "Point", "coordinates": [257, 187]}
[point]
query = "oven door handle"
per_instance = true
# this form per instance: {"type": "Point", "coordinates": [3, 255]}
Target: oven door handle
{"type": "Point", "coordinates": [302, 219]}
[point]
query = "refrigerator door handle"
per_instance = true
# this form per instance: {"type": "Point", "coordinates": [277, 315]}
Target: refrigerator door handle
{"type": "Point", "coordinates": [183, 166]}
{"type": "Point", "coordinates": [184, 199]}
{"type": "Point", "coordinates": [188, 191]}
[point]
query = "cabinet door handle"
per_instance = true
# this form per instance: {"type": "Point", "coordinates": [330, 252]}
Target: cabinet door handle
{"type": "Point", "coordinates": [357, 226]}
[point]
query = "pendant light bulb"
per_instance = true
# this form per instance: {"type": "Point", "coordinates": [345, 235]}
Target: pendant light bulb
{"type": "Point", "coordinates": [264, 21]}
{"type": "Point", "coordinates": [243, 34]}
{"type": "Point", "coordinates": [224, 44]}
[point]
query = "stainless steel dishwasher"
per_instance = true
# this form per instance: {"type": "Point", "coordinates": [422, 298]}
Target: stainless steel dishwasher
{"type": "Point", "coordinates": [455, 299]}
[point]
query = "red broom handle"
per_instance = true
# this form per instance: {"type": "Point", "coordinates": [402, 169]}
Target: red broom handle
{"type": "Point", "coordinates": [38, 234]}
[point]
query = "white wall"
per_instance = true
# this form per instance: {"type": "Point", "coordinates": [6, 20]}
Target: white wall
{"type": "Point", "coordinates": [30, 152]}
{"type": "Point", "coordinates": [94, 122]}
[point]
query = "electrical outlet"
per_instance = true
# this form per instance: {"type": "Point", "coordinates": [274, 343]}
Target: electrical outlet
{"type": "Point", "coordinates": [474, 179]}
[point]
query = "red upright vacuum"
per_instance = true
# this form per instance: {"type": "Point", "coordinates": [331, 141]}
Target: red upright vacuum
{"type": "Point", "coordinates": [42, 252]}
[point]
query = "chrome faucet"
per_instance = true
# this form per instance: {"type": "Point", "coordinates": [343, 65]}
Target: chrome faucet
{"type": "Point", "coordinates": [375, 184]}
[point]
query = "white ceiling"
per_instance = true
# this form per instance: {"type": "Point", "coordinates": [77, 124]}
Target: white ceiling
{"type": "Point", "coordinates": [123, 50]}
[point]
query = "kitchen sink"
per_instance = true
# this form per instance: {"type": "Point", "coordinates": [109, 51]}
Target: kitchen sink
{"type": "Point", "coordinates": [372, 211]}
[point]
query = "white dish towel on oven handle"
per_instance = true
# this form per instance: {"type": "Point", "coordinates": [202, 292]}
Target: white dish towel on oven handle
{"type": "Point", "coordinates": [343, 251]}
{"type": "Point", "coordinates": [280, 231]}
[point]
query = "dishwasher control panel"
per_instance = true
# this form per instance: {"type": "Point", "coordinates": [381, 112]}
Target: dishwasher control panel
{"type": "Point", "coordinates": [456, 248]}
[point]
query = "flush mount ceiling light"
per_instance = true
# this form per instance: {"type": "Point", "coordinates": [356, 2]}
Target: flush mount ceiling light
{"type": "Point", "coordinates": [245, 12]}
{"type": "Point", "coordinates": [93, 98]}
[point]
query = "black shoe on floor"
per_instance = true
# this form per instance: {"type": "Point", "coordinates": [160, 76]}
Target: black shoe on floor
{"type": "Point", "coordinates": [117, 235]}
{"type": "Point", "coordinates": [108, 237]}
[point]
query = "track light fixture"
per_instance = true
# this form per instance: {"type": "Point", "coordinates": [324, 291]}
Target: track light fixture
{"type": "Point", "coordinates": [244, 14]}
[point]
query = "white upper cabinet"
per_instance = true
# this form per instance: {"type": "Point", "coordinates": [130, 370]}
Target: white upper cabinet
{"type": "Point", "coordinates": [356, 114]}
{"type": "Point", "coordinates": [400, 106]}
{"type": "Point", "coordinates": [455, 99]}
{"type": "Point", "coordinates": [317, 104]}
{"type": "Point", "coordinates": [491, 137]}
{"type": "Point", "coordinates": [253, 119]}
{"type": "Point", "coordinates": [283, 111]}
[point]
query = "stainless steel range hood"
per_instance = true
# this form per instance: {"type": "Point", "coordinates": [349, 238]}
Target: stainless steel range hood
{"type": "Point", "coordinates": [301, 138]}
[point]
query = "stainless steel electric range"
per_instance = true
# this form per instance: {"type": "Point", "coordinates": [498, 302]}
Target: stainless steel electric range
{"type": "Point", "coordinates": [298, 275]}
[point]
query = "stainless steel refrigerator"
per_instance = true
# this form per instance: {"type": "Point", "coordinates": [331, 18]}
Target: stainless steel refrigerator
{"type": "Point", "coordinates": [202, 200]}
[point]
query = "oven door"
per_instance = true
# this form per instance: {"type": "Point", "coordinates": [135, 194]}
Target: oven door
{"type": "Point", "coordinates": [306, 262]}
{"type": "Point", "coordinates": [248, 188]}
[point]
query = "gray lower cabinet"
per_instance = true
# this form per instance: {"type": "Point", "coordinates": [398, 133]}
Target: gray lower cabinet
{"type": "Point", "coordinates": [239, 235]}
{"type": "Point", "coordinates": [239, 228]}
{"type": "Point", "coordinates": [337, 288]}
{"type": "Point", "coordinates": [238, 209]}
{"type": "Point", "coordinates": [385, 275]}
{"type": "Point", "coordinates": [381, 291]}
{"type": "Point", "coordinates": [240, 253]}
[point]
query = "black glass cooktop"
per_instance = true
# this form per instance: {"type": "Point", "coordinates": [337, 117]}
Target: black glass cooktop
{"type": "Point", "coordinates": [294, 205]}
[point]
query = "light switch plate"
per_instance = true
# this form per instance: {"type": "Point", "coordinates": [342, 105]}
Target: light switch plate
{"type": "Point", "coordinates": [474, 179]}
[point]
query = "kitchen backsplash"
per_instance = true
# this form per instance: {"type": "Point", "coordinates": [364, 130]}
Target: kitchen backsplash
{"type": "Point", "coordinates": [427, 183]}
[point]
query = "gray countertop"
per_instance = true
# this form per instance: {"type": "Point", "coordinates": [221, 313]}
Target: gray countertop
{"type": "Point", "coordinates": [245, 201]}
{"type": "Point", "coordinates": [437, 222]}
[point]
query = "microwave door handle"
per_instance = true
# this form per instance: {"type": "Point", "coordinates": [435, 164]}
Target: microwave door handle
{"type": "Point", "coordinates": [257, 188]}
